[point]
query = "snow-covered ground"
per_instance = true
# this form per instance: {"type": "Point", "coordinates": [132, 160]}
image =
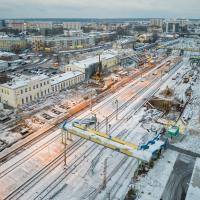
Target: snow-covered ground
{"type": "Point", "coordinates": [33, 164]}
{"type": "Point", "coordinates": [150, 186]}
{"type": "Point", "coordinates": [193, 192]}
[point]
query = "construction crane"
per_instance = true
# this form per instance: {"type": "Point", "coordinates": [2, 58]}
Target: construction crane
{"type": "Point", "coordinates": [98, 73]}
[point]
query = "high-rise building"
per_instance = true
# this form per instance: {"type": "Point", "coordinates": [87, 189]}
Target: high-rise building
{"type": "Point", "coordinates": [157, 22]}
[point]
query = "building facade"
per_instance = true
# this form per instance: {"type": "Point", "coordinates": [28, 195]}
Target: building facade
{"type": "Point", "coordinates": [72, 25]}
{"type": "Point", "coordinates": [157, 22]}
{"type": "Point", "coordinates": [37, 42]}
{"type": "Point", "coordinates": [23, 91]}
{"type": "Point", "coordinates": [20, 92]}
{"type": "Point", "coordinates": [10, 43]}
{"type": "Point", "coordinates": [90, 65]}
{"type": "Point", "coordinates": [67, 43]}
{"type": "Point", "coordinates": [66, 80]}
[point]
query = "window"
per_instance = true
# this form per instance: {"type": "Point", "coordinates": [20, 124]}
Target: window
{"type": "Point", "coordinates": [40, 84]}
{"type": "Point", "coordinates": [44, 83]}
{"type": "Point", "coordinates": [26, 89]}
{"type": "Point", "coordinates": [29, 88]}
{"type": "Point", "coordinates": [38, 95]}
{"type": "Point", "coordinates": [31, 98]}
{"type": "Point", "coordinates": [22, 101]}
{"type": "Point", "coordinates": [41, 93]}
{"type": "Point", "coordinates": [21, 91]}
{"type": "Point", "coordinates": [26, 99]}
{"type": "Point", "coordinates": [34, 87]}
{"type": "Point", "coordinates": [47, 82]}
{"type": "Point", "coordinates": [37, 86]}
{"type": "Point", "coordinates": [45, 92]}
{"type": "Point", "coordinates": [48, 90]}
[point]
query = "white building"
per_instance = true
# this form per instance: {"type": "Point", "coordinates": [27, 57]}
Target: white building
{"type": "Point", "coordinates": [126, 43]}
{"type": "Point", "coordinates": [89, 66]}
{"type": "Point", "coordinates": [72, 25]}
{"type": "Point", "coordinates": [65, 80]}
{"type": "Point", "coordinates": [73, 33]}
{"type": "Point", "coordinates": [67, 43]}
{"type": "Point", "coordinates": [28, 89]}
{"type": "Point", "coordinates": [23, 91]}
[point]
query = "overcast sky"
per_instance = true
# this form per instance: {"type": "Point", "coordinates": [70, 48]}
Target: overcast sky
{"type": "Point", "coordinates": [99, 8]}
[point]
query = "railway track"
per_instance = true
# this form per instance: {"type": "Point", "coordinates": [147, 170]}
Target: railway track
{"type": "Point", "coordinates": [30, 182]}
{"type": "Point", "coordinates": [27, 157]}
{"type": "Point", "coordinates": [33, 141]}
{"type": "Point", "coordinates": [44, 193]}
{"type": "Point", "coordinates": [36, 139]}
{"type": "Point", "coordinates": [20, 191]}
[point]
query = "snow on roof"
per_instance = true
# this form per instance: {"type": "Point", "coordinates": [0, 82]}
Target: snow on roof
{"type": "Point", "coordinates": [124, 41]}
{"type": "Point", "coordinates": [194, 187]}
{"type": "Point", "coordinates": [65, 76]}
{"type": "Point", "coordinates": [3, 61]}
{"type": "Point", "coordinates": [92, 60]}
{"type": "Point", "coordinates": [4, 53]}
{"type": "Point", "coordinates": [23, 81]}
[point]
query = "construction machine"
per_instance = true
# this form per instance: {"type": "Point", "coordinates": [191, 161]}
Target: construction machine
{"type": "Point", "coordinates": [98, 74]}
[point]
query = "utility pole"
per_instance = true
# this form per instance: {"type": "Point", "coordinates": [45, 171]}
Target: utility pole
{"type": "Point", "coordinates": [90, 102]}
{"type": "Point", "coordinates": [105, 173]}
{"type": "Point", "coordinates": [106, 125]}
{"type": "Point", "coordinates": [109, 128]}
{"type": "Point", "coordinates": [117, 104]}
{"type": "Point", "coordinates": [98, 126]}
{"type": "Point", "coordinates": [95, 125]}
{"type": "Point", "coordinates": [65, 149]}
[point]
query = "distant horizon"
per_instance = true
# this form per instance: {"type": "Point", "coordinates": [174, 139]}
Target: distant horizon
{"type": "Point", "coordinates": [92, 18]}
{"type": "Point", "coordinates": [103, 9]}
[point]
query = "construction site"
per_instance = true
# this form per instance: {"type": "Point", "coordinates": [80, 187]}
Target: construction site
{"type": "Point", "coordinates": [129, 131]}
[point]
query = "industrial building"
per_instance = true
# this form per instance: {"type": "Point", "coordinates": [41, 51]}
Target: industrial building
{"type": "Point", "coordinates": [90, 65]}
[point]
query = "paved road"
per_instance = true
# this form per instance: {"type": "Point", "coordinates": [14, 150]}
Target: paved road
{"type": "Point", "coordinates": [179, 179]}
{"type": "Point", "coordinates": [183, 151]}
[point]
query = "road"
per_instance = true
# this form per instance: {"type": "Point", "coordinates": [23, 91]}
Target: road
{"type": "Point", "coordinates": [179, 179]}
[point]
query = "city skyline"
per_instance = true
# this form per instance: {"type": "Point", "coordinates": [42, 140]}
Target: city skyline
{"type": "Point", "coordinates": [99, 9]}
